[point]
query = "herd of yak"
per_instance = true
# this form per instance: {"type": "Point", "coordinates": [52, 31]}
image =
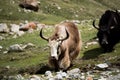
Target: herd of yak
{"type": "Point", "coordinates": [65, 43]}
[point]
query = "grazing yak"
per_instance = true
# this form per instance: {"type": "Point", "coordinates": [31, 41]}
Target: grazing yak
{"type": "Point", "coordinates": [65, 45]}
{"type": "Point", "coordinates": [108, 30]}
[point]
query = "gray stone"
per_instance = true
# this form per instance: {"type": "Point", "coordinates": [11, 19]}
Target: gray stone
{"type": "Point", "coordinates": [35, 77]}
{"type": "Point", "coordinates": [102, 66]}
{"type": "Point", "coordinates": [15, 47]}
{"type": "Point", "coordinates": [20, 33]}
{"type": "Point", "coordinates": [1, 47]}
{"type": "Point", "coordinates": [14, 28]}
{"type": "Point", "coordinates": [4, 28]}
{"type": "Point", "coordinates": [48, 74]}
{"type": "Point", "coordinates": [73, 71]}
{"type": "Point", "coordinates": [2, 38]}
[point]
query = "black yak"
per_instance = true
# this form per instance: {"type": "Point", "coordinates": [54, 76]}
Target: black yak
{"type": "Point", "coordinates": [108, 30]}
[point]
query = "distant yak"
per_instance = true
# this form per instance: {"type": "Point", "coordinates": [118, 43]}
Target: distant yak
{"type": "Point", "coordinates": [108, 30]}
{"type": "Point", "coordinates": [65, 45]}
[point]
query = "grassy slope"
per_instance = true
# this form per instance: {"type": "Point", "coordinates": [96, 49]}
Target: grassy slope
{"type": "Point", "coordinates": [49, 14]}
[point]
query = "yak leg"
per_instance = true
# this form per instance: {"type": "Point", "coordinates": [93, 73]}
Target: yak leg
{"type": "Point", "coordinates": [64, 64]}
{"type": "Point", "coordinates": [54, 64]}
{"type": "Point", "coordinates": [75, 53]}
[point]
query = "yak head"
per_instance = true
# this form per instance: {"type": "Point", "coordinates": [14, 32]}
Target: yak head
{"type": "Point", "coordinates": [54, 43]}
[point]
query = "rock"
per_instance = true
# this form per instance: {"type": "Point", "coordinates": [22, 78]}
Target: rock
{"type": "Point", "coordinates": [48, 74]}
{"type": "Point", "coordinates": [73, 71]}
{"type": "Point", "coordinates": [58, 77]}
{"type": "Point", "coordinates": [30, 30]}
{"type": "Point", "coordinates": [63, 74]}
{"type": "Point", "coordinates": [89, 78]}
{"type": "Point", "coordinates": [27, 26]}
{"type": "Point", "coordinates": [7, 67]}
{"type": "Point", "coordinates": [5, 52]}
{"type": "Point", "coordinates": [2, 38]}
{"type": "Point", "coordinates": [4, 28]}
{"type": "Point", "coordinates": [14, 28]}
{"type": "Point", "coordinates": [19, 77]}
{"type": "Point", "coordinates": [15, 36]}
{"type": "Point", "coordinates": [102, 66]}
{"type": "Point", "coordinates": [20, 33]}
{"type": "Point", "coordinates": [1, 47]}
{"type": "Point", "coordinates": [28, 45]}
{"type": "Point", "coordinates": [15, 47]}
{"type": "Point", "coordinates": [39, 26]}
{"type": "Point", "coordinates": [34, 77]}
{"type": "Point", "coordinates": [90, 43]}
{"type": "Point", "coordinates": [30, 4]}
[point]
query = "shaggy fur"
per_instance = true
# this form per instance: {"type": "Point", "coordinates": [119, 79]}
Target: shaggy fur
{"type": "Point", "coordinates": [69, 49]}
{"type": "Point", "coordinates": [109, 30]}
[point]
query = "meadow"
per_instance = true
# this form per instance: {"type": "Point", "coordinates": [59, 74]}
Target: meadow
{"type": "Point", "coordinates": [32, 60]}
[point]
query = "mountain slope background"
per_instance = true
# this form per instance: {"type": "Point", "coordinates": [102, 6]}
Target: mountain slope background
{"type": "Point", "coordinates": [52, 11]}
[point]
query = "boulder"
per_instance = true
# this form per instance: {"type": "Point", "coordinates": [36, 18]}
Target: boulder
{"type": "Point", "coordinates": [29, 4]}
{"type": "Point", "coordinates": [15, 48]}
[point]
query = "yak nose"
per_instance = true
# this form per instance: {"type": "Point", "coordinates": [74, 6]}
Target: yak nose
{"type": "Point", "coordinates": [52, 57]}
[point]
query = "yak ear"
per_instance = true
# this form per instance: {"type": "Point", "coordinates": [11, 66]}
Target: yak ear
{"type": "Point", "coordinates": [94, 25]}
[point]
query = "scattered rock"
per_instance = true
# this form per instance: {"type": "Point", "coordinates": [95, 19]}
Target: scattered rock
{"type": "Point", "coordinates": [90, 43]}
{"type": "Point", "coordinates": [20, 33]}
{"type": "Point", "coordinates": [34, 77]}
{"type": "Point", "coordinates": [14, 28]}
{"type": "Point", "coordinates": [30, 4]}
{"type": "Point", "coordinates": [48, 74]}
{"type": "Point", "coordinates": [73, 71]}
{"type": "Point", "coordinates": [1, 47]}
{"type": "Point", "coordinates": [7, 67]}
{"type": "Point", "coordinates": [5, 52]}
{"type": "Point", "coordinates": [15, 47]}
{"type": "Point", "coordinates": [28, 45]}
{"type": "Point", "coordinates": [4, 28]}
{"type": "Point", "coordinates": [2, 38]}
{"type": "Point", "coordinates": [19, 77]}
{"type": "Point", "coordinates": [102, 66]}
{"type": "Point", "coordinates": [27, 26]}
{"type": "Point", "coordinates": [15, 36]}
{"type": "Point", "coordinates": [39, 26]}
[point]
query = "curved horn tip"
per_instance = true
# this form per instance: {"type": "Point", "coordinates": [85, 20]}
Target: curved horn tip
{"type": "Point", "coordinates": [94, 25]}
{"type": "Point", "coordinates": [43, 36]}
{"type": "Point", "coordinates": [67, 35]}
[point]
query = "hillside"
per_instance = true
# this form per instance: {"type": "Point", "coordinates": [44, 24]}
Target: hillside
{"type": "Point", "coordinates": [52, 11]}
{"type": "Point", "coordinates": [32, 59]}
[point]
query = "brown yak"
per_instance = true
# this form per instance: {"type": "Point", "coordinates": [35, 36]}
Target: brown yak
{"type": "Point", "coordinates": [65, 45]}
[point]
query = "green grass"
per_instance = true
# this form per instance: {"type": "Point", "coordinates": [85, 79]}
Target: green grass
{"type": "Point", "coordinates": [32, 57]}
{"type": "Point", "coordinates": [49, 14]}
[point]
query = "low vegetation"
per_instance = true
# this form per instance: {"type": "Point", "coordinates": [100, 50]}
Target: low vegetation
{"type": "Point", "coordinates": [33, 59]}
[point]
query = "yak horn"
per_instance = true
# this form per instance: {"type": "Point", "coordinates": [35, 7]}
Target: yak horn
{"type": "Point", "coordinates": [94, 25]}
{"type": "Point", "coordinates": [43, 36]}
{"type": "Point", "coordinates": [67, 36]}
